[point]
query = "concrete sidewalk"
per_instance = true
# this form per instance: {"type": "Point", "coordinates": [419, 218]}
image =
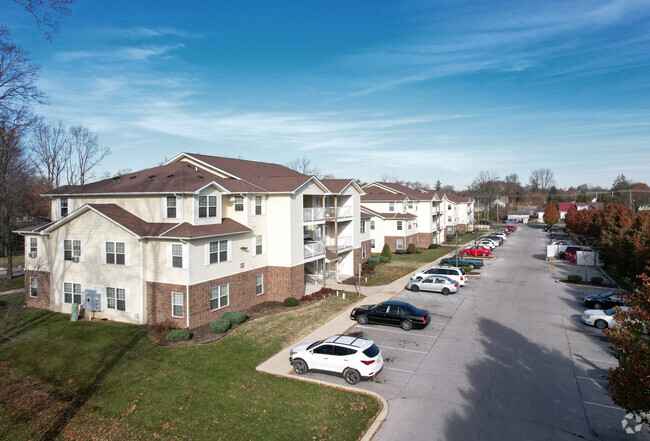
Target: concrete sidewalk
{"type": "Point", "coordinates": [279, 363]}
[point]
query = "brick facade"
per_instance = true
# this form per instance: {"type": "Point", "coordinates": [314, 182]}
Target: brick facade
{"type": "Point", "coordinates": [42, 300]}
{"type": "Point", "coordinates": [358, 260]}
{"type": "Point", "coordinates": [392, 241]}
{"type": "Point", "coordinates": [279, 283]}
{"type": "Point", "coordinates": [424, 239]}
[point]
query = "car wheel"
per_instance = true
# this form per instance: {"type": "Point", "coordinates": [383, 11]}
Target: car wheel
{"type": "Point", "coordinates": [484, 254]}
{"type": "Point", "coordinates": [465, 253]}
{"type": "Point", "coordinates": [445, 291]}
{"type": "Point", "coordinates": [362, 319]}
{"type": "Point", "coordinates": [598, 305]}
{"type": "Point", "coordinates": [300, 367]}
{"type": "Point", "coordinates": [415, 288]}
{"type": "Point", "coordinates": [600, 324]}
{"type": "Point", "coordinates": [406, 325]}
{"type": "Point", "coordinates": [351, 376]}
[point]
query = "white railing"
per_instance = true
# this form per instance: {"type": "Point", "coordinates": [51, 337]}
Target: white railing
{"type": "Point", "coordinates": [312, 214]}
{"type": "Point", "coordinates": [343, 242]}
{"type": "Point", "coordinates": [314, 249]}
{"type": "Point", "coordinates": [338, 212]}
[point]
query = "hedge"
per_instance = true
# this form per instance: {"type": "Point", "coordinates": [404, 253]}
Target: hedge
{"type": "Point", "coordinates": [383, 259]}
{"type": "Point", "coordinates": [290, 302]}
{"type": "Point", "coordinates": [369, 266]}
{"type": "Point", "coordinates": [176, 335]}
{"type": "Point", "coordinates": [597, 280]}
{"type": "Point", "coordinates": [234, 317]}
{"type": "Point", "coordinates": [411, 248]}
{"type": "Point", "coordinates": [575, 278]}
{"type": "Point", "coordinates": [433, 246]}
{"type": "Point", "coordinates": [375, 259]}
{"type": "Point", "coordinates": [220, 326]}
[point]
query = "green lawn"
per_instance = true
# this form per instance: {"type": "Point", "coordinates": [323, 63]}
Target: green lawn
{"type": "Point", "coordinates": [14, 283]}
{"type": "Point", "coordinates": [103, 380]}
{"type": "Point", "coordinates": [402, 264]}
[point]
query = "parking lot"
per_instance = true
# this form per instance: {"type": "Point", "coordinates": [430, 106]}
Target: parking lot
{"type": "Point", "coordinates": [506, 358]}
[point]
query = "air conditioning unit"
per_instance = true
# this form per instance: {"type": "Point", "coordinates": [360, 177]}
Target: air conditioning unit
{"type": "Point", "coordinates": [32, 254]}
{"type": "Point", "coordinates": [75, 259]}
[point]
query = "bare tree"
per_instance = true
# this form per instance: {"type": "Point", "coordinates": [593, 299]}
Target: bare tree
{"type": "Point", "coordinates": [542, 179]}
{"type": "Point", "coordinates": [486, 186]}
{"type": "Point", "coordinates": [50, 153]}
{"type": "Point", "coordinates": [86, 154]}
{"type": "Point", "coordinates": [47, 13]}
{"type": "Point", "coordinates": [303, 165]}
{"type": "Point", "coordinates": [512, 187]}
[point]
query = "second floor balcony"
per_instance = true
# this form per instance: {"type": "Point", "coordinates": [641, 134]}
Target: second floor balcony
{"type": "Point", "coordinates": [313, 249]}
{"type": "Point", "coordinates": [338, 212]}
{"type": "Point", "coordinates": [313, 214]}
{"type": "Point", "coordinates": [341, 244]}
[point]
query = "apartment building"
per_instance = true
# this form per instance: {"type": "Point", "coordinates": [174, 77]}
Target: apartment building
{"type": "Point", "coordinates": [193, 238]}
{"type": "Point", "coordinates": [401, 215]}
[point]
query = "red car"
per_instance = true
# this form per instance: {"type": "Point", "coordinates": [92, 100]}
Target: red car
{"type": "Point", "coordinates": [475, 251]}
{"type": "Point", "coordinates": [510, 228]}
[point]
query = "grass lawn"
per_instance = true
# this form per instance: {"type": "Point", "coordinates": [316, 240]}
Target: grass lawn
{"type": "Point", "coordinates": [14, 283]}
{"type": "Point", "coordinates": [104, 380]}
{"type": "Point", "coordinates": [402, 264]}
{"type": "Point", "coordinates": [17, 261]}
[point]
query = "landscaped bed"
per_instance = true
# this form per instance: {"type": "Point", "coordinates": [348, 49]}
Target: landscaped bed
{"type": "Point", "coordinates": [105, 380]}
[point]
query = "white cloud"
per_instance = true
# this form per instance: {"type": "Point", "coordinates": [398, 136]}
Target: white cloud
{"type": "Point", "coordinates": [141, 53]}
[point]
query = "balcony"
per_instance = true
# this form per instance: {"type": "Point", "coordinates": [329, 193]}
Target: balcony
{"type": "Point", "coordinates": [313, 214]}
{"type": "Point", "coordinates": [343, 243]}
{"type": "Point", "coordinates": [313, 249]}
{"type": "Point", "coordinates": [338, 212]}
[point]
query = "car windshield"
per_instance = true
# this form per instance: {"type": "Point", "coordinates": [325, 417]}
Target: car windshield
{"type": "Point", "coordinates": [316, 343]}
{"type": "Point", "coordinates": [462, 271]}
{"type": "Point", "coordinates": [372, 351]}
{"type": "Point", "coordinates": [610, 311]}
{"type": "Point", "coordinates": [606, 295]}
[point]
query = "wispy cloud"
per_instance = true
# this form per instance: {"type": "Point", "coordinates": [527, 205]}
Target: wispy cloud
{"type": "Point", "coordinates": [139, 32]}
{"type": "Point", "coordinates": [142, 53]}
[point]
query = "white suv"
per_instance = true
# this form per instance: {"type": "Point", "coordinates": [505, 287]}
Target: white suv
{"type": "Point", "coordinates": [355, 358]}
{"type": "Point", "coordinates": [454, 273]}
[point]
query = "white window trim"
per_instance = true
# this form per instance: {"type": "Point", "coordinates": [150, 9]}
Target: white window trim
{"type": "Point", "coordinates": [400, 226]}
{"type": "Point", "coordinates": [59, 206]}
{"type": "Point", "coordinates": [184, 256]}
{"type": "Point", "coordinates": [263, 205]}
{"type": "Point", "coordinates": [182, 305]}
{"type": "Point", "coordinates": [363, 227]}
{"type": "Point", "coordinates": [35, 248]}
{"type": "Point", "coordinates": [219, 288]}
{"type": "Point", "coordinates": [207, 207]}
{"type": "Point", "coordinates": [228, 252]}
{"type": "Point", "coordinates": [243, 204]}
{"type": "Point", "coordinates": [72, 293]}
{"type": "Point", "coordinates": [126, 297]}
{"type": "Point", "coordinates": [397, 242]}
{"type": "Point", "coordinates": [363, 251]}
{"type": "Point", "coordinates": [105, 252]}
{"type": "Point", "coordinates": [256, 284]}
{"type": "Point", "coordinates": [82, 256]}
{"type": "Point", "coordinates": [179, 207]}
{"type": "Point", "coordinates": [31, 279]}
{"type": "Point", "coordinates": [254, 245]}
{"type": "Point", "coordinates": [391, 206]}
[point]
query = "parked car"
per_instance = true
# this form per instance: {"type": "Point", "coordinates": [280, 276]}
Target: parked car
{"type": "Point", "coordinates": [493, 240]}
{"type": "Point", "coordinates": [458, 260]}
{"type": "Point", "coordinates": [503, 236]}
{"type": "Point", "coordinates": [599, 318]}
{"type": "Point", "coordinates": [394, 313]}
{"type": "Point", "coordinates": [476, 251]}
{"type": "Point", "coordinates": [503, 230]}
{"type": "Point", "coordinates": [497, 239]}
{"type": "Point", "coordinates": [511, 228]}
{"type": "Point", "coordinates": [571, 255]}
{"type": "Point", "coordinates": [605, 300]}
{"type": "Point", "coordinates": [561, 242]}
{"type": "Point", "coordinates": [354, 358]}
{"type": "Point", "coordinates": [455, 274]}
{"type": "Point", "coordinates": [486, 244]}
{"type": "Point", "coordinates": [484, 222]}
{"type": "Point", "coordinates": [440, 284]}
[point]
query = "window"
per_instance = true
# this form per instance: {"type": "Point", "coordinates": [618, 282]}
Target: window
{"type": "Point", "coordinates": [218, 251]}
{"type": "Point", "coordinates": [259, 284]}
{"type": "Point", "coordinates": [363, 251]}
{"type": "Point", "coordinates": [258, 205]}
{"type": "Point", "coordinates": [72, 293]}
{"type": "Point", "coordinates": [363, 227]}
{"type": "Point", "coordinates": [448, 218]}
{"type": "Point", "coordinates": [207, 206]}
{"type": "Point", "coordinates": [409, 225]}
{"type": "Point", "coordinates": [116, 299]}
{"type": "Point", "coordinates": [448, 206]}
{"type": "Point", "coordinates": [71, 248]}
{"type": "Point", "coordinates": [171, 207]}
{"type": "Point", "coordinates": [400, 244]}
{"type": "Point", "coordinates": [33, 287]}
{"type": "Point", "coordinates": [259, 249]}
{"type": "Point", "coordinates": [399, 225]}
{"type": "Point", "coordinates": [324, 350]}
{"type": "Point", "coordinates": [410, 204]}
{"type": "Point", "coordinates": [218, 297]}
{"type": "Point", "coordinates": [372, 225]}
{"type": "Point", "coordinates": [33, 246]}
{"type": "Point", "coordinates": [177, 304]}
{"type": "Point", "coordinates": [391, 206]}
{"type": "Point", "coordinates": [115, 253]}
{"type": "Point", "coordinates": [239, 203]}
{"type": "Point", "coordinates": [63, 206]}
{"type": "Point", "coordinates": [177, 255]}
{"type": "Point", "coordinates": [372, 243]}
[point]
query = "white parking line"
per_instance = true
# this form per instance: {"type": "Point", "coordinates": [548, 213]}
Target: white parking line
{"type": "Point", "coordinates": [395, 332]}
{"type": "Point", "coordinates": [399, 370]}
{"type": "Point", "coordinates": [595, 359]}
{"type": "Point", "coordinates": [592, 379]}
{"type": "Point", "coordinates": [400, 349]}
{"type": "Point", "coordinates": [603, 405]}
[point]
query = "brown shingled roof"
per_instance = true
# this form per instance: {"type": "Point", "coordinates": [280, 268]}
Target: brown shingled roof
{"type": "Point", "coordinates": [189, 231]}
{"type": "Point", "coordinates": [336, 185]}
{"type": "Point", "coordinates": [389, 215]}
{"type": "Point", "coordinates": [418, 195]}
{"type": "Point", "coordinates": [457, 198]}
{"type": "Point", "coordinates": [34, 228]}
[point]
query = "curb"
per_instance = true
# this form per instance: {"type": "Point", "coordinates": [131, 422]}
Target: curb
{"type": "Point", "coordinates": [585, 286]}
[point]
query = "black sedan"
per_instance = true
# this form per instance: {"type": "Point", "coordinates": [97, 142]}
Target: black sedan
{"type": "Point", "coordinates": [606, 300]}
{"type": "Point", "coordinates": [393, 313]}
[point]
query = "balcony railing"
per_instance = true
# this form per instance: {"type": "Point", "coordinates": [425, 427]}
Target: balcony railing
{"type": "Point", "coordinates": [314, 249]}
{"type": "Point", "coordinates": [312, 214]}
{"type": "Point", "coordinates": [343, 242]}
{"type": "Point", "coordinates": [338, 212]}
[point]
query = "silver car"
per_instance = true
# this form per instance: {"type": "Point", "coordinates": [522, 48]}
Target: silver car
{"type": "Point", "coordinates": [440, 284]}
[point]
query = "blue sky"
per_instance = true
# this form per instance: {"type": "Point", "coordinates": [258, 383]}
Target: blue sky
{"type": "Point", "coordinates": [421, 90]}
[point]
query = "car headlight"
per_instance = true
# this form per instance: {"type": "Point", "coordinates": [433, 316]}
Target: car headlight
{"type": "Point", "coordinates": [293, 353]}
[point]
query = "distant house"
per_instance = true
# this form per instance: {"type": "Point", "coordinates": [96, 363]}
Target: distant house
{"type": "Point", "coordinates": [501, 201]}
{"type": "Point", "coordinates": [563, 207]}
{"type": "Point", "coordinates": [519, 216]}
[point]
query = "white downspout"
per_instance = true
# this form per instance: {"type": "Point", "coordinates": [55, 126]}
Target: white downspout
{"type": "Point", "coordinates": [142, 285]}
{"type": "Point", "coordinates": [187, 285]}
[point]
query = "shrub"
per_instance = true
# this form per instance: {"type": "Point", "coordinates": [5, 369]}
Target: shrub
{"type": "Point", "coordinates": [411, 248]}
{"type": "Point", "coordinates": [597, 280]}
{"type": "Point", "coordinates": [385, 252]}
{"type": "Point", "coordinates": [220, 326]}
{"type": "Point", "coordinates": [433, 246]}
{"type": "Point", "coordinates": [400, 252]}
{"type": "Point", "coordinates": [176, 335]}
{"type": "Point", "coordinates": [290, 302]}
{"type": "Point", "coordinates": [369, 266]}
{"type": "Point", "coordinates": [574, 278]}
{"type": "Point", "coordinates": [234, 317]}
{"type": "Point", "coordinates": [450, 237]}
{"type": "Point", "coordinates": [375, 260]}
{"type": "Point", "coordinates": [383, 259]}
{"type": "Point", "coordinates": [418, 250]}
{"type": "Point", "coordinates": [467, 268]}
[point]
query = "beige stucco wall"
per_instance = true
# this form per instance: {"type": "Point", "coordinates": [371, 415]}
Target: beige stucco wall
{"type": "Point", "coordinates": [148, 208]}
{"type": "Point", "coordinates": [42, 260]}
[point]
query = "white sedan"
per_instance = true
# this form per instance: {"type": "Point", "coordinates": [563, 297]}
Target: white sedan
{"type": "Point", "coordinates": [434, 283]}
{"type": "Point", "coordinates": [601, 319]}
